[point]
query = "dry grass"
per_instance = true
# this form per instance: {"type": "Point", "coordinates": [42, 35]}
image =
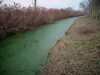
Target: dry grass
{"type": "Point", "coordinates": [85, 31]}
{"type": "Point", "coordinates": [14, 19]}
{"type": "Point", "coordinates": [76, 54]}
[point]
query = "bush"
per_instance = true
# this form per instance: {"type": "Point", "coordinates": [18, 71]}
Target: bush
{"type": "Point", "coordinates": [66, 33]}
{"type": "Point", "coordinates": [14, 19]}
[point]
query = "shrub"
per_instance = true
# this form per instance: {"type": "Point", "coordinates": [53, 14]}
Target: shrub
{"type": "Point", "coordinates": [66, 33]}
{"type": "Point", "coordinates": [14, 19]}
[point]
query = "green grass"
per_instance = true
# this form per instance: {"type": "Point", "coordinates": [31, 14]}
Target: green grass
{"type": "Point", "coordinates": [98, 46]}
{"type": "Point", "coordinates": [66, 33]}
{"type": "Point", "coordinates": [58, 41]}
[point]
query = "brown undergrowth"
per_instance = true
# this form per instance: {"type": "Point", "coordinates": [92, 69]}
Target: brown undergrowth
{"type": "Point", "coordinates": [15, 19]}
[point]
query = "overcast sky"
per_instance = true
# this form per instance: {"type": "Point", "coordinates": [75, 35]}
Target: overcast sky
{"type": "Point", "coordinates": [48, 3]}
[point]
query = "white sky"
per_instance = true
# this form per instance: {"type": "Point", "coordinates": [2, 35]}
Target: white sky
{"type": "Point", "coordinates": [48, 3]}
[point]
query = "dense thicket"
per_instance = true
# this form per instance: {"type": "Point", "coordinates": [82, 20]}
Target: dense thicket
{"type": "Point", "coordinates": [15, 19]}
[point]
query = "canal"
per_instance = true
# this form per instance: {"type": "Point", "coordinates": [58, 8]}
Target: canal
{"type": "Point", "coordinates": [26, 54]}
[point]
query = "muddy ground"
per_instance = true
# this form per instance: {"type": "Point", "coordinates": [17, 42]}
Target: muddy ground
{"type": "Point", "coordinates": [78, 52]}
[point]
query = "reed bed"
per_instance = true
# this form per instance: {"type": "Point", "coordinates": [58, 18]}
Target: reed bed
{"type": "Point", "coordinates": [16, 19]}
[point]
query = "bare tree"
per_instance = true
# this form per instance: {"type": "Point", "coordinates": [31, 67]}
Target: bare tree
{"type": "Point", "coordinates": [17, 5]}
{"type": "Point", "coordinates": [1, 1]}
{"type": "Point", "coordinates": [84, 5]}
{"type": "Point", "coordinates": [93, 6]}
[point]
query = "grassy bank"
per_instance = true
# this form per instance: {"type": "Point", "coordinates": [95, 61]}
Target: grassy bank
{"type": "Point", "coordinates": [15, 19]}
{"type": "Point", "coordinates": [78, 52]}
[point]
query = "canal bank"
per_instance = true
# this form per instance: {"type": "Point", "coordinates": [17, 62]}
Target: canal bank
{"type": "Point", "coordinates": [78, 52]}
{"type": "Point", "coordinates": [25, 54]}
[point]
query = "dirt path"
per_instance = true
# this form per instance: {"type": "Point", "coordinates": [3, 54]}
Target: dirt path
{"type": "Point", "coordinates": [78, 52]}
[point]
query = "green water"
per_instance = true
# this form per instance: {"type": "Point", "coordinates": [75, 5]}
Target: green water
{"type": "Point", "coordinates": [26, 53]}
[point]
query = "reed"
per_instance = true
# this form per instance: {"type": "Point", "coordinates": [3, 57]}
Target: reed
{"type": "Point", "coordinates": [15, 19]}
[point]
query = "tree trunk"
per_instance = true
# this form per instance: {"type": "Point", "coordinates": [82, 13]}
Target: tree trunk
{"type": "Point", "coordinates": [35, 4]}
